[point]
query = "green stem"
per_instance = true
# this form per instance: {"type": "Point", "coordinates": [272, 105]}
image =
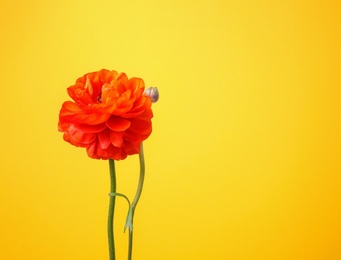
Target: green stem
{"type": "Point", "coordinates": [135, 201]}
{"type": "Point", "coordinates": [111, 241]}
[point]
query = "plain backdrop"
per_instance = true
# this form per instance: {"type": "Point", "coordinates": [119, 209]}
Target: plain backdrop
{"type": "Point", "coordinates": [244, 160]}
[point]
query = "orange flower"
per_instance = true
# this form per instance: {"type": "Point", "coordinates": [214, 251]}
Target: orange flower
{"type": "Point", "coordinates": [110, 115]}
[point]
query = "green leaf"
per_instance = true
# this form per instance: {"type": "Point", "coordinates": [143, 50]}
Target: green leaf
{"type": "Point", "coordinates": [113, 194]}
{"type": "Point", "coordinates": [129, 220]}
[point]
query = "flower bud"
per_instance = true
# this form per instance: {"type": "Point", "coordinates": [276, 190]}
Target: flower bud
{"type": "Point", "coordinates": [153, 93]}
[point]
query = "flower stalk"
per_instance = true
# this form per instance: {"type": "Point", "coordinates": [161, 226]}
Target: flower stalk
{"type": "Point", "coordinates": [132, 206]}
{"type": "Point", "coordinates": [112, 199]}
{"type": "Point", "coordinates": [130, 218]}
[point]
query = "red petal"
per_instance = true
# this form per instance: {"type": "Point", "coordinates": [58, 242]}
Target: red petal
{"type": "Point", "coordinates": [135, 138]}
{"type": "Point", "coordinates": [92, 128]}
{"type": "Point", "coordinates": [118, 154]}
{"type": "Point", "coordinates": [137, 83]}
{"type": "Point", "coordinates": [118, 124]}
{"type": "Point", "coordinates": [106, 76]}
{"type": "Point", "coordinates": [69, 108]}
{"type": "Point", "coordinates": [132, 148]}
{"type": "Point", "coordinates": [104, 139]}
{"type": "Point", "coordinates": [80, 136]}
{"type": "Point", "coordinates": [73, 113]}
{"type": "Point", "coordinates": [116, 138]}
{"type": "Point", "coordinates": [91, 150]}
{"type": "Point", "coordinates": [142, 127]}
{"type": "Point", "coordinates": [122, 77]}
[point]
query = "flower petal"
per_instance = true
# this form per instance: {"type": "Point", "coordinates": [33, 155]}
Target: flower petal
{"type": "Point", "coordinates": [141, 106]}
{"type": "Point", "coordinates": [116, 138]}
{"type": "Point", "coordinates": [69, 108]}
{"type": "Point", "coordinates": [91, 150]}
{"type": "Point", "coordinates": [92, 128]}
{"type": "Point", "coordinates": [141, 126]}
{"type": "Point", "coordinates": [139, 130]}
{"type": "Point", "coordinates": [136, 83]}
{"type": "Point", "coordinates": [132, 148]}
{"type": "Point", "coordinates": [80, 136]}
{"type": "Point", "coordinates": [73, 113]}
{"type": "Point", "coordinates": [104, 139]}
{"type": "Point", "coordinates": [80, 94]}
{"type": "Point", "coordinates": [109, 93]}
{"type": "Point", "coordinates": [118, 124]}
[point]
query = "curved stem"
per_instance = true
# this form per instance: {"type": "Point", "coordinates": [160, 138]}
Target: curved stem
{"type": "Point", "coordinates": [111, 241]}
{"type": "Point", "coordinates": [135, 201]}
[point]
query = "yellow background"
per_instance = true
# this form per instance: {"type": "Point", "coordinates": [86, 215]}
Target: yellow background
{"type": "Point", "coordinates": [244, 160]}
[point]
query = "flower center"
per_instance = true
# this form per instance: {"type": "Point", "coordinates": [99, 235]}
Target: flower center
{"type": "Point", "coordinates": [99, 97]}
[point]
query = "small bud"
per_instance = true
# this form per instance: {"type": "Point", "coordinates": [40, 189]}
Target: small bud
{"type": "Point", "coordinates": [153, 93]}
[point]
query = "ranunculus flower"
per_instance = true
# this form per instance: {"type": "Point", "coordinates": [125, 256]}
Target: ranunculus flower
{"type": "Point", "coordinates": [110, 115]}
